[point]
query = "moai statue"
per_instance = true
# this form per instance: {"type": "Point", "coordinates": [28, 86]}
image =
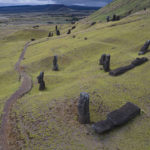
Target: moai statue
{"type": "Point", "coordinates": [114, 18]}
{"type": "Point", "coordinates": [106, 64]}
{"type": "Point", "coordinates": [50, 34]}
{"type": "Point", "coordinates": [118, 18]}
{"type": "Point", "coordinates": [144, 48]}
{"type": "Point", "coordinates": [41, 81]}
{"type": "Point", "coordinates": [57, 32]}
{"type": "Point", "coordinates": [55, 65]}
{"type": "Point", "coordinates": [108, 18]}
{"type": "Point", "coordinates": [83, 108]}
{"type": "Point", "coordinates": [69, 31]}
{"type": "Point", "coordinates": [73, 27]}
{"type": "Point", "coordinates": [56, 27]}
{"type": "Point", "coordinates": [102, 59]}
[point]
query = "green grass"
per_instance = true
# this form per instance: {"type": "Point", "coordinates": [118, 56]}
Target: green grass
{"type": "Point", "coordinates": [47, 120]}
{"type": "Point", "coordinates": [12, 42]}
{"type": "Point", "coordinates": [119, 7]}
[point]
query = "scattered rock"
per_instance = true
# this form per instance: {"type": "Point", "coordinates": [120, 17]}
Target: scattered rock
{"type": "Point", "coordinates": [83, 108]}
{"type": "Point", "coordinates": [73, 27]}
{"type": "Point", "coordinates": [117, 118]}
{"type": "Point", "coordinates": [74, 36]}
{"type": "Point", "coordinates": [36, 26]}
{"type": "Point", "coordinates": [93, 23]}
{"type": "Point", "coordinates": [73, 22]}
{"type": "Point", "coordinates": [32, 39]}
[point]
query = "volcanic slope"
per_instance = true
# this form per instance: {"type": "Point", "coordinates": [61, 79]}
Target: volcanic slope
{"type": "Point", "coordinates": [48, 120]}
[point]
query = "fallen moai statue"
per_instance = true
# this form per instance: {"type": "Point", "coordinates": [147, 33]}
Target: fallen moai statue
{"type": "Point", "coordinates": [105, 61]}
{"type": "Point", "coordinates": [55, 65]}
{"type": "Point", "coordinates": [121, 70]}
{"type": "Point", "coordinates": [117, 118]}
{"type": "Point", "coordinates": [93, 23]}
{"type": "Point", "coordinates": [41, 81]}
{"type": "Point", "coordinates": [144, 49]}
{"type": "Point", "coordinates": [83, 108]}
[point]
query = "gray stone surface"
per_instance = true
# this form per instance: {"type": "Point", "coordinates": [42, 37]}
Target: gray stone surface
{"type": "Point", "coordinates": [144, 49]}
{"type": "Point", "coordinates": [135, 63]}
{"type": "Point", "coordinates": [83, 108]}
{"type": "Point", "coordinates": [41, 81]}
{"type": "Point", "coordinates": [117, 118]}
{"type": "Point", "coordinates": [55, 65]}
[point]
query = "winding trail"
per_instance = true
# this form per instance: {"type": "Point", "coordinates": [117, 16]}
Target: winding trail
{"type": "Point", "coordinates": [25, 87]}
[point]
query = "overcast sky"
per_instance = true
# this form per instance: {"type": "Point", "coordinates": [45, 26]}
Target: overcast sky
{"type": "Point", "coordinates": [66, 2]}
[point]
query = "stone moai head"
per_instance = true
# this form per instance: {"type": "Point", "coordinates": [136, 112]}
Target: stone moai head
{"type": "Point", "coordinates": [55, 60]}
{"type": "Point", "coordinates": [102, 59]}
{"type": "Point", "coordinates": [50, 34]}
{"type": "Point", "coordinates": [106, 64]}
{"type": "Point", "coordinates": [114, 17]}
{"type": "Point", "coordinates": [83, 108]}
{"type": "Point", "coordinates": [55, 65]}
{"type": "Point", "coordinates": [56, 27]}
{"type": "Point", "coordinates": [57, 32]}
{"type": "Point", "coordinates": [69, 31]}
{"type": "Point", "coordinates": [144, 49]}
{"type": "Point", "coordinates": [108, 18]}
{"type": "Point", "coordinates": [40, 77]}
{"type": "Point", "coordinates": [41, 81]}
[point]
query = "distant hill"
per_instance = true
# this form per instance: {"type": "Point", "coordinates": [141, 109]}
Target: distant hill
{"type": "Point", "coordinates": [42, 8]}
{"type": "Point", "coordinates": [120, 7]}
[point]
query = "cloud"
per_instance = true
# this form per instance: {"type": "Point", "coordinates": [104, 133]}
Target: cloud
{"type": "Point", "coordinates": [84, 2]}
{"type": "Point", "coordinates": [25, 2]}
{"type": "Point", "coordinates": [66, 2]}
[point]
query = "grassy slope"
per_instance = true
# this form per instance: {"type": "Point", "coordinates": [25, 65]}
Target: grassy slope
{"type": "Point", "coordinates": [47, 120]}
{"type": "Point", "coordinates": [119, 7]}
{"type": "Point", "coordinates": [12, 41]}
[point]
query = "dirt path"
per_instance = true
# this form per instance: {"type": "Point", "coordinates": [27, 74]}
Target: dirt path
{"type": "Point", "coordinates": [25, 87]}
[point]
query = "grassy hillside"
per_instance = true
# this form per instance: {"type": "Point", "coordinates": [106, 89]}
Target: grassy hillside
{"type": "Point", "coordinates": [120, 7]}
{"type": "Point", "coordinates": [48, 120]}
